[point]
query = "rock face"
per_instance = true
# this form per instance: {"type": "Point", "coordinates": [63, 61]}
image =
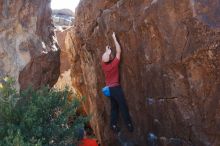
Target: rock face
{"type": "Point", "coordinates": [170, 69]}
{"type": "Point", "coordinates": [66, 44]}
{"type": "Point", "coordinates": [27, 49]}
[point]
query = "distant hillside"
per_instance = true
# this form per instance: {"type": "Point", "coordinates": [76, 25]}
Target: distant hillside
{"type": "Point", "coordinates": [63, 17]}
{"type": "Point", "coordinates": [63, 12]}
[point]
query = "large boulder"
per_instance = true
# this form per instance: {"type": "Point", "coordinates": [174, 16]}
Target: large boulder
{"type": "Point", "coordinates": [28, 51]}
{"type": "Point", "coordinates": [170, 68]}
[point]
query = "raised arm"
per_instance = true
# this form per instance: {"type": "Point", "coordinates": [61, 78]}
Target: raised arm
{"type": "Point", "coordinates": [117, 45]}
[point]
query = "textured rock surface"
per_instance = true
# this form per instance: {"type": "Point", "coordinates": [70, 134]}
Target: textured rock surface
{"type": "Point", "coordinates": [27, 50]}
{"type": "Point", "coordinates": [66, 44]}
{"type": "Point", "coordinates": [170, 67]}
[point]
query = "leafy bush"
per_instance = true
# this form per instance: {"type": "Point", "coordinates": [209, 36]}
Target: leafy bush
{"type": "Point", "coordinates": [38, 118]}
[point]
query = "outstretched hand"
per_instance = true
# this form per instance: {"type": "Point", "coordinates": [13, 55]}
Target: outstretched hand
{"type": "Point", "coordinates": [113, 35]}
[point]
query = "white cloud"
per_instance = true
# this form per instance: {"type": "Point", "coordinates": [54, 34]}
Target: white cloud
{"type": "Point", "coordinates": [60, 4]}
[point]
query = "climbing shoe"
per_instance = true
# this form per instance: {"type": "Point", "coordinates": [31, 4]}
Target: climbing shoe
{"type": "Point", "coordinates": [130, 127]}
{"type": "Point", "coordinates": [115, 128]}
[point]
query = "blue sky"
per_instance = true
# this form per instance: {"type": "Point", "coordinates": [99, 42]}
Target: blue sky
{"type": "Point", "coordinates": [60, 4]}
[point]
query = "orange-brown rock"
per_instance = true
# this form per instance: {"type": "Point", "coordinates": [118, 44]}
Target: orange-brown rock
{"type": "Point", "coordinates": [28, 51]}
{"type": "Point", "coordinates": [66, 44]}
{"type": "Point", "coordinates": [169, 71]}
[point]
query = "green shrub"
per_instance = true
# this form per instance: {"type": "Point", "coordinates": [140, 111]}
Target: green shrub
{"type": "Point", "coordinates": [35, 118]}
